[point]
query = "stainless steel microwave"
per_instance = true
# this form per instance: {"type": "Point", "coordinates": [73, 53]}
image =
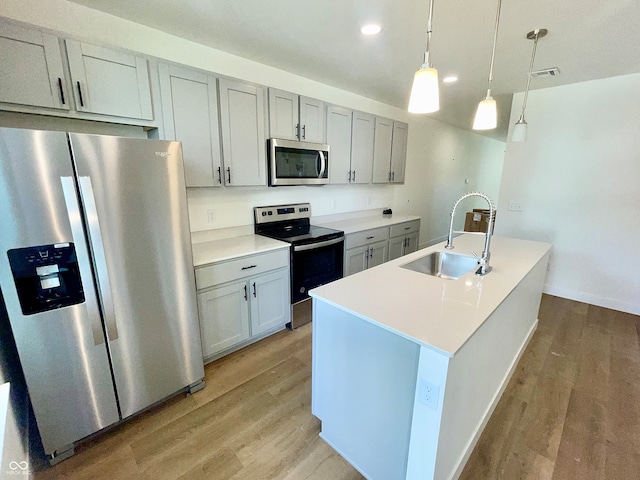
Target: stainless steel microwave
{"type": "Point", "coordinates": [297, 163]}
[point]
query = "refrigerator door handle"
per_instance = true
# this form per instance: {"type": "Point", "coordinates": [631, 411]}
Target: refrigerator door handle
{"type": "Point", "coordinates": [99, 258]}
{"type": "Point", "coordinates": [77, 232]}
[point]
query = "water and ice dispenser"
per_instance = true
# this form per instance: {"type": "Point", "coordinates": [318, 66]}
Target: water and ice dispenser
{"type": "Point", "coordinates": [46, 277]}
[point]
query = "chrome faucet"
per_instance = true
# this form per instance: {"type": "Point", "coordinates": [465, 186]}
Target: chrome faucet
{"type": "Point", "coordinates": [483, 260]}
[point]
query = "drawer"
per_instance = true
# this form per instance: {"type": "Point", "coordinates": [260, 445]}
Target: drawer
{"type": "Point", "coordinates": [405, 228]}
{"type": "Point", "coordinates": [242, 267]}
{"type": "Point", "coordinates": [366, 237]}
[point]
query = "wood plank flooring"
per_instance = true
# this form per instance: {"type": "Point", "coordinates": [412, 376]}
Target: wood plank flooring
{"type": "Point", "coordinates": [571, 411]}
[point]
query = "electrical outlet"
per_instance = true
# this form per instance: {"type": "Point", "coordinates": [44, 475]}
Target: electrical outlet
{"type": "Point", "coordinates": [514, 206]}
{"type": "Point", "coordinates": [211, 217]}
{"type": "Point", "coordinates": [429, 394]}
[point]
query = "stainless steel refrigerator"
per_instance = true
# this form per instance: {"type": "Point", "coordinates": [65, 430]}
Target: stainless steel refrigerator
{"type": "Point", "coordinates": [97, 277]}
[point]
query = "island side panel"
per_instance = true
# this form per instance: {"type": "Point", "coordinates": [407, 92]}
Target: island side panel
{"type": "Point", "coordinates": [479, 372]}
{"type": "Point", "coordinates": [363, 388]}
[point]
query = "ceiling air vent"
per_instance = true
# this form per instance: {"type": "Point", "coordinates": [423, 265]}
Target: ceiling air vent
{"type": "Point", "coordinates": [546, 72]}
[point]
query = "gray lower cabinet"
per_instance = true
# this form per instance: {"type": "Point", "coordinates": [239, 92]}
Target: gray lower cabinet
{"type": "Point", "coordinates": [242, 300]}
{"type": "Point", "coordinates": [403, 238]}
{"type": "Point", "coordinates": [365, 249]}
{"type": "Point", "coordinates": [190, 115]}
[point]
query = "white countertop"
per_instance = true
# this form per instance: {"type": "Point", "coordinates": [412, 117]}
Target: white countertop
{"type": "Point", "coordinates": [437, 313]}
{"type": "Point", "coordinates": [4, 407]}
{"type": "Point", "coordinates": [366, 223]}
{"type": "Point", "coordinates": [229, 248]}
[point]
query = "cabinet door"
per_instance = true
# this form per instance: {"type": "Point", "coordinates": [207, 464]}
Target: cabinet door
{"type": "Point", "coordinates": [355, 260]}
{"type": "Point", "coordinates": [224, 317]}
{"type": "Point", "coordinates": [31, 70]}
{"type": "Point", "coordinates": [109, 82]}
{"type": "Point", "coordinates": [190, 113]}
{"type": "Point", "coordinates": [412, 243]}
{"type": "Point", "coordinates": [312, 120]}
{"type": "Point", "coordinates": [396, 247]}
{"type": "Point", "coordinates": [362, 133]}
{"type": "Point", "coordinates": [382, 150]}
{"type": "Point", "coordinates": [270, 305]}
{"type": "Point", "coordinates": [399, 151]}
{"type": "Point", "coordinates": [283, 114]}
{"type": "Point", "coordinates": [378, 253]}
{"type": "Point", "coordinates": [339, 140]}
{"type": "Point", "coordinates": [242, 123]}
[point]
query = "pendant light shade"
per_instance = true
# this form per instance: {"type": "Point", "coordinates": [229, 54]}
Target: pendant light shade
{"type": "Point", "coordinates": [425, 94]}
{"type": "Point", "coordinates": [519, 132]}
{"type": "Point", "coordinates": [425, 97]}
{"type": "Point", "coordinates": [487, 115]}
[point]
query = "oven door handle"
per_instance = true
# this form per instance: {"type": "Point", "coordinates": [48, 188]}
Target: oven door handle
{"type": "Point", "coordinates": [313, 246]}
{"type": "Point", "coordinates": [323, 164]}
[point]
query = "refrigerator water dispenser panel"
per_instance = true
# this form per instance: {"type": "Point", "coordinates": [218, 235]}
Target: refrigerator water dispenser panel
{"type": "Point", "coordinates": [47, 277]}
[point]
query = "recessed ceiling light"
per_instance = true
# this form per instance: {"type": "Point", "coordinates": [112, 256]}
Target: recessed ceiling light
{"type": "Point", "coordinates": [371, 29]}
{"type": "Point", "coordinates": [450, 79]}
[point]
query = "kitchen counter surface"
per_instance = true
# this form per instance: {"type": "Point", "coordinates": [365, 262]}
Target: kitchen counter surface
{"type": "Point", "coordinates": [359, 224]}
{"type": "Point", "coordinates": [226, 249]}
{"type": "Point", "coordinates": [437, 313]}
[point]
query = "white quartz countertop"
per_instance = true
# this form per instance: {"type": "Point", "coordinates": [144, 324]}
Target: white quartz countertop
{"type": "Point", "coordinates": [225, 249]}
{"type": "Point", "coordinates": [438, 313]}
{"type": "Point", "coordinates": [4, 407]}
{"type": "Point", "coordinates": [366, 223]}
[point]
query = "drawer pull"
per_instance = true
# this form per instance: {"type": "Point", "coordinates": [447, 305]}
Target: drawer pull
{"type": "Point", "coordinates": [369, 238]}
{"type": "Point", "coordinates": [407, 228]}
{"type": "Point", "coordinates": [250, 266]}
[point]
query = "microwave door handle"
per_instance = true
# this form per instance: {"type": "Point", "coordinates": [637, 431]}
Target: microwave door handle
{"type": "Point", "coordinates": [323, 164]}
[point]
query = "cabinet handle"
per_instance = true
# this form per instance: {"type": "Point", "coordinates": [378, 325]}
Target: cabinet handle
{"type": "Point", "coordinates": [353, 177]}
{"type": "Point", "coordinates": [304, 132]}
{"type": "Point", "coordinates": [61, 91]}
{"type": "Point", "coordinates": [349, 176]}
{"type": "Point", "coordinates": [393, 176]}
{"type": "Point", "coordinates": [297, 130]}
{"type": "Point", "coordinates": [407, 228]}
{"type": "Point", "coordinates": [250, 266]}
{"type": "Point", "coordinates": [228, 175]}
{"type": "Point", "coordinates": [254, 290]}
{"type": "Point", "coordinates": [245, 293]}
{"type": "Point", "coordinates": [389, 175]}
{"type": "Point", "coordinates": [371, 252]}
{"type": "Point", "coordinates": [80, 94]}
{"type": "Point", "coordinates": [220, 175]}
{"type": "Point", "coordinates": [369, 238]}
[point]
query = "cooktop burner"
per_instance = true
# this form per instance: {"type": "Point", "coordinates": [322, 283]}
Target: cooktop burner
{"type": "Point", "coordinates": [290, 223]}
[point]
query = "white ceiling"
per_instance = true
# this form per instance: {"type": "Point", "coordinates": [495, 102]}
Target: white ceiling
{"type": "Point", "coordinates": [588, 39]}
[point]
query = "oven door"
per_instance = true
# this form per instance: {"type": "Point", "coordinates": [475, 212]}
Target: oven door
{"type": "Point", "coordinates": [297, 163]}
{"type": "Point", "coordinates": [315, 264]}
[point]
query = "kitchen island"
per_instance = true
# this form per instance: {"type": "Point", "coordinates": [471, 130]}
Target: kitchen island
{"type": "Point", "coordinates": [408, 367]}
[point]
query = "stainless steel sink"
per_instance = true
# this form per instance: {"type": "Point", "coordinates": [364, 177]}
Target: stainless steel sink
{"type": "Point", "coordinates": [443, 265]}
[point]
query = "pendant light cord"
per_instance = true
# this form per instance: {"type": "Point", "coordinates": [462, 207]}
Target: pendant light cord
{"type": "Point", "coordinates": [427, 55]}
{"type": "Point", "coordinates": [493, 51]}
{"type": "Point", "coordinates": [533, 56]}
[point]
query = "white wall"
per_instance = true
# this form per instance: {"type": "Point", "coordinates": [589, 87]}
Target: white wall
{"type": "Point", "coordinates": [433, 180]}
{"type": "Point", "coordinates": [578, 179]}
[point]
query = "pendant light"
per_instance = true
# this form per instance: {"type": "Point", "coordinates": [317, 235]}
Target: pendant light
{"type": "Point", "coordinates": [519, 133]}
{"type": "Point", "coordinates": [486, 114]}
{"type": "Point", "coordinates": [425, 97]}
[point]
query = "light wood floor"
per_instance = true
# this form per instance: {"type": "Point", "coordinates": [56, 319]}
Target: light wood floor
{"type": "Point", "coordinates": [571, 411]}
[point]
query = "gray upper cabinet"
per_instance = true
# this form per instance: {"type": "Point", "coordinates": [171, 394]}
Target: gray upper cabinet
{"type": "Point", "coordinates": [399, 151]}
{"type": "Point", "coordinates": [242, 124]}
{"type": "Point", "coordinates": [339, 140]}
{"type": "Point", "coordinates": [190, 114]}
{"type": "Point", "coordinates": [109, 82]}
{"type": "Point", "coordinates": [31, 69]}
{"type": "Point", "coordinates": [362, 147]}
{"type": "Point", "coordinates": [390, 152]}
{"type": "Point", "coordinates": [294, 117]}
